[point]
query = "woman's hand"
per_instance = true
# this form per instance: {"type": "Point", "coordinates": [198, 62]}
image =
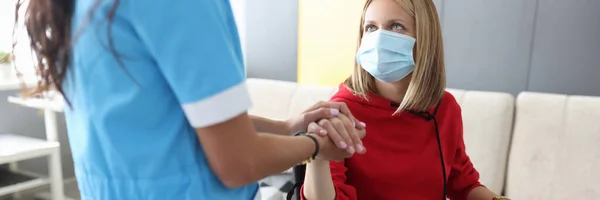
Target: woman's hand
{"type": "Point", "coordinates": [329, 151]}
{"type": "Point", "coordinates": [329, 110]}
{"type": "Point", "coordinates": [340, 130]}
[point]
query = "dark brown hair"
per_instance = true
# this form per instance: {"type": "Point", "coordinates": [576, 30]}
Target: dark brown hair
{"type": "Point", "coordinates": [48, 25]}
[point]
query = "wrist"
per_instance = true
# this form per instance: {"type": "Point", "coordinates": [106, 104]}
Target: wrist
{"type": "Point", "coordinates": [284, 127]}
{"type": "Point", "coordinates": [321, 140]}
{"type": "Point", "coordinates": [316, 145]}
{"type": "Point", "coordinates": [323, 143]}
{"type": "Point", "coordinates": [319, 162]}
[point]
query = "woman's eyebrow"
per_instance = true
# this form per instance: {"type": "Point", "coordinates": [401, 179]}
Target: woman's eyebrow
{"type": "Point", "coordinates": [369, 22]}
{"type": "Point", "coordinates": [396, 20]}
{"type": "Point", "coordinates": [388, 21]}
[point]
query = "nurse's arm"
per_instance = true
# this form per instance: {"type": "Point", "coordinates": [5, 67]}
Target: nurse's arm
{"type": "Point", "coordinates": [262, 124]}
{"type": "Point", "coordinates": [240, 156]}
{"type": "Point", "coordinates": [321, 110]}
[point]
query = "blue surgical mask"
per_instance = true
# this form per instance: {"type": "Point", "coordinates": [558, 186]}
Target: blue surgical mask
{"type": "Point", "coordinates": [386, 55]}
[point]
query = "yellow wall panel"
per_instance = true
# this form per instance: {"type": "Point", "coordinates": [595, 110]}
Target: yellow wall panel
{"type": "Point", "coordinates": [327, 39]}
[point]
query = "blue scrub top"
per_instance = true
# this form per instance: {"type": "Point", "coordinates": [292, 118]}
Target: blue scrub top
{"type": "Point", "coordinates": [131, 125]}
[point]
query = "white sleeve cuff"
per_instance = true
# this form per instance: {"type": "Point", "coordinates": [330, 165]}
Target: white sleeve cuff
{"type": "Point", "coordinates": [219, 107]}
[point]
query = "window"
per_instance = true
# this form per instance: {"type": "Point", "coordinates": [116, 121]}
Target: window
{"type": "Point", "coordinates": [24, 61]}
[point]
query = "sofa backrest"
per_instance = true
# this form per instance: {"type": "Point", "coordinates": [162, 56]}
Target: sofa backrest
{"type": "Point", "coordinates": [555, 150]}
{"type": "Point", "coordinates": [487, 123]}
{"type": "Point", "coordinates": [282, 99]}
{"type": "Point", "coordinates": [487, 118]}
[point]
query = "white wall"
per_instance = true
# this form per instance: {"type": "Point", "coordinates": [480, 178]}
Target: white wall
{"type": "Point", "coordinates": [7, 19]}
{"type": "Point", "coordinates": [239, 11]}
{"type": "Point", "coordinates": [269, 32]}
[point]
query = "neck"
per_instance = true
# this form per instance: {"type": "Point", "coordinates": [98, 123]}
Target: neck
{"type": "Point", "coordinates": [393, 91]}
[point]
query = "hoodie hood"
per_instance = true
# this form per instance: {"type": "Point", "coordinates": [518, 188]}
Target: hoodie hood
{"type": "Point", "coordinates": [373, 100]}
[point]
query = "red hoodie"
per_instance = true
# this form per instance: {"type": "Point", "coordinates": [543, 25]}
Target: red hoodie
{"type": "Point", "coordinates": [403, 160]}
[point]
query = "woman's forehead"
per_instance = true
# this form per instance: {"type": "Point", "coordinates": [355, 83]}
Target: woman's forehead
{"type": "Point", "coordinates": [386, 10]}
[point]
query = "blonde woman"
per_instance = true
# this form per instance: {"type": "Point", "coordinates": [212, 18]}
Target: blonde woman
{"type": "Point", "coordinates": [415, 133]}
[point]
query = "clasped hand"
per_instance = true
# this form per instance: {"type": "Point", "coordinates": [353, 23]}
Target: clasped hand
{"type": "Point", "coordinates": [342, 133]}
{"type": "Point", "coordinates": [339, 132]}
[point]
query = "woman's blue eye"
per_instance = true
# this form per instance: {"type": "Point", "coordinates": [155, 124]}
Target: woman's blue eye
{"type": "Point", "coordinates": [397, 27]}
{"type": "Point", "coordinates": [370, 28]}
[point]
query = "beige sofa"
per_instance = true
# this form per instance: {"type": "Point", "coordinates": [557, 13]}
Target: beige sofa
{"type": "Point", "coordinates": [544, 146]}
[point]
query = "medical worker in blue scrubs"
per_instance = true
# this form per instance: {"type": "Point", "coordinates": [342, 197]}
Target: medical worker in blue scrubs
{"type": "Point", "coordinates": [157, 101]}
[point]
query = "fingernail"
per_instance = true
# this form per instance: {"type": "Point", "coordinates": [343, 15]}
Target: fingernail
{"type": "Point", "coordinates": [323, 132]}
{"type": "Point", "coordinates": [359, 147]}
{"type": "Point", "coordinates": [343, 145]}
{"type": "Point", "coordinates": [363, 124]}
{"type": "Point", "coordinates": [351, 150]}
{"type": "Point", "coordinates": [335, 112]}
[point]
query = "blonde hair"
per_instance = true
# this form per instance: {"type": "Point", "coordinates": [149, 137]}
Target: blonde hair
{"type": "Point", "coordinates": [428, 82]}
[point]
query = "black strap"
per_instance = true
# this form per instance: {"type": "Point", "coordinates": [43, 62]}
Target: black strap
{"type": "Point", "coordinates": [437, 134]}
{"type": "Point", "coordinates": [314, 155]}
{"type": "Point", "coordinates": [299, 172]}
{"type": "Point", "coordinates": [428, 116]}
{"type": "Point", "coordinates": [314, 139]}
{"type": "Point", "coordinates": [295, 191]}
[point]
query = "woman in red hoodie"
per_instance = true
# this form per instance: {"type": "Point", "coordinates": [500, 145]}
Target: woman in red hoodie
{"type": "Point", "coordinates": [415, 140]}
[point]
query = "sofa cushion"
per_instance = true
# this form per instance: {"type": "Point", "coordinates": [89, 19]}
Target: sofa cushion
{"type": "Point", "coordinates": [555, 152]}
{"type": "Point", "coordinates": [282, 99]}
{"type": "Point", "coordinates": [306, 96]}
{"type": "Point", "coordinates": [487, 124]}
{"type": "Point", "coordinates": [270, 98]}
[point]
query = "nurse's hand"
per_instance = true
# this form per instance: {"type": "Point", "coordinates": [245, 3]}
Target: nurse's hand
{"type": "Point", "coordinates": [329, 110]}
{"type": "Point", "coordinates": [320, 110]}
{"type": "Point", "coordinates": [340, 129]}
